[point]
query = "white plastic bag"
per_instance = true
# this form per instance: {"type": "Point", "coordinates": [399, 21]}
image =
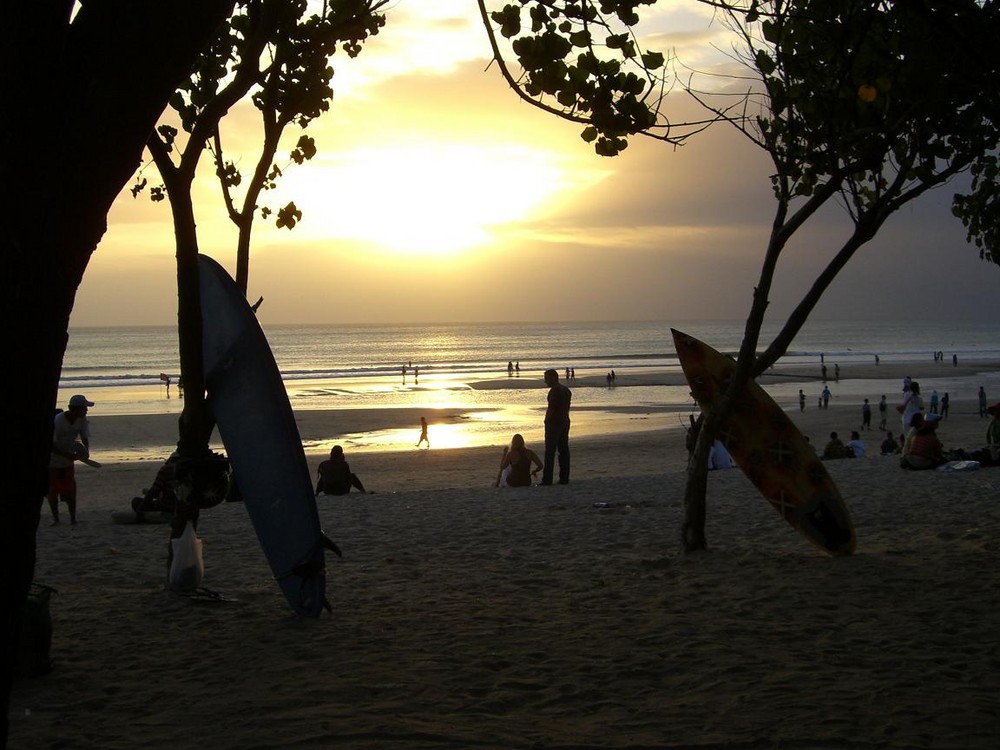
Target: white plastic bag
{"type": "Point", "coordinates": [187, 567]}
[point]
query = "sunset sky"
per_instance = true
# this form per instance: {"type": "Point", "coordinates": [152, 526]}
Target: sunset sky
{"type": "Point", "coordinates": [438, 196]}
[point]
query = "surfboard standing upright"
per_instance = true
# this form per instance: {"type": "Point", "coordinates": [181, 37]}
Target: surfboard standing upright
{"type": "Point", "coordinates": [770, 450]}
{"type": "Point", "coordinates": [257, 426]}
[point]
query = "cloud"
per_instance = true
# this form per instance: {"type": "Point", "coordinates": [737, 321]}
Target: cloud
{"type": "Point", "coordinates": [656, 233]}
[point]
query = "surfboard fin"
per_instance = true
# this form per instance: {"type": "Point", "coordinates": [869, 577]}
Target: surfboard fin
{"type": "Point", "coordinates": [329, 544]}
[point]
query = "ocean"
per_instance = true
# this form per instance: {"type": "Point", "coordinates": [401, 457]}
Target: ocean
{"type": "Point", "coordinates": [99, 358]}
{"type": "Point", "coordinates": [345, 367]}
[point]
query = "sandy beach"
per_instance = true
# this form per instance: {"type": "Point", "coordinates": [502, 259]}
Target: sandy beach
{"type": "Point", "coordinates": [470, 616]}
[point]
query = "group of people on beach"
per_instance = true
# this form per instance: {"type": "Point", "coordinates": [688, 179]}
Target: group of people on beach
{"type": "Point", "coordinates": [918, 444]}
{"type": "Point", "coordinates": [519, 465]}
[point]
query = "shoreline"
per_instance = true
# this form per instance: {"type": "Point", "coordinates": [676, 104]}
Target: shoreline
{"type": "Point", "coordinates": [654, 448]}
{"type": "Point", "coordinates": [598, 412]}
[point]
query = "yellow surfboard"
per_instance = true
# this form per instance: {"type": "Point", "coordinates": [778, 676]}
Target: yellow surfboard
{"type": "Point", "coordinates": [768, 447]}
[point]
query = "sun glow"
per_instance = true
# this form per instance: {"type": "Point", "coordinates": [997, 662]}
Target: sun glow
{"type": "Point", "coordinates": [428, 200]}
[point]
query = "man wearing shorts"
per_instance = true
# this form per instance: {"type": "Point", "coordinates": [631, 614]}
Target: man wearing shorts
{"type": "Point", "coordinates": [70, 431]}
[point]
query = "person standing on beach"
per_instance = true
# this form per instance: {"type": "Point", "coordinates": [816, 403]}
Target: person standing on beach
{"type": "Point", "coordinates": [993, 432]}
{"type": "Point", "coordinates": [423, 433]}
{"type": "Point", "coordinates": [934, 401]}
{"type": "Point", "coordinates": [826, 397]}
{"type": "Point", "coordinates": [912, 404]}
{"type": "Point", "coordinates": [883, 412]}
{"type": "Point", "coordinates": [70, 440]}
{"type": "Point", "coordinates": [982, 402]}
{"type": "Point", "coordinates": [866, 416]}
{"type": "Point", "coordinates": [556, 429]}
{"type": "Point", "coordinates": [945, 402]}
{"type": "Point", "coordinates": [802, 400]}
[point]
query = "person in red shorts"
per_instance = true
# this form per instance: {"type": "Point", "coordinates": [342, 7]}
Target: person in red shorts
{"type": "Point", "coordinates": [70, 440]}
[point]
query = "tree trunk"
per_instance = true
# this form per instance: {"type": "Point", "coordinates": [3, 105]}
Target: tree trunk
{"type": "Point", "coordinates": [79, 111]}
{"type": "Point", "coordinates": [196, 422]}
{"type": "Point", "coordinates": [695, 492]}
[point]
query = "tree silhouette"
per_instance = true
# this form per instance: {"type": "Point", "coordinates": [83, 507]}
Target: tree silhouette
{"type": "Point", "coordinates": [277, 52]}
{"type": "Point", "coordinates": [78, 109]}
{"type": "Point", "coordinates": [869, 104]}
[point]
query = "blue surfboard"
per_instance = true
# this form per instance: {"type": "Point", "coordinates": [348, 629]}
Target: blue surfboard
{"type": "Point", "coordinates": [256, 423]}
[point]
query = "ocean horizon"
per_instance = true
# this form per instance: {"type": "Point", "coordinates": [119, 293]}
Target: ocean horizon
{"type": "Point", "coordinates": [361, 367]}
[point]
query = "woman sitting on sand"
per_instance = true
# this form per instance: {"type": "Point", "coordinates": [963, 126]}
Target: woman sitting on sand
{"type": "Point", "coordinates": [515, 466]}
{"type": "Point", "coordinates": [926, 451]}
{"type": "Point", "coordinates": [335, 477]}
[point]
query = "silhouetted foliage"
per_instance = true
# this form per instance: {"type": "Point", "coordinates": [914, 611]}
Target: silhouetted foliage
{"type": "Point", "coordinates": [277, 52]}
{"type": "Point", "coordinates": [868, 103]}
{"type": "Point", "coordinates": [78, 104]}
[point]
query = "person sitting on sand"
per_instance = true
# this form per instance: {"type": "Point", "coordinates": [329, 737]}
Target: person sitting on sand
{"type": "Point", "coordinates": [835, 449]}
{"type": "Point", "coordinates": [925, 448]}
{"type": "Point", "coordinates": [718, 457]}
{"type": "Point", "coordinates": [856, 447]}
{"type": "Point", "coordinates": [335, 477]}
{"type": "Point", "coordinates": [159, 497]}
{"type": "Point", "coordinates": [516, 465]}
{"type": "Point", "coordinates": [889, 446]}
{"type": "Point", "coordinates": [915, 424]}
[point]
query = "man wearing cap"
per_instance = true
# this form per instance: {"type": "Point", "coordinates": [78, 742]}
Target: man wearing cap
{"type": "Point", "coordinates": [70, 440]}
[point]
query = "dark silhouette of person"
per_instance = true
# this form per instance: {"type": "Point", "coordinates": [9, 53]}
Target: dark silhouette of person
{"type": "Point", "coordinates": [518, 465]}
{"type": "Point", "coordinates": [334, 476]}
{"type": "Point", "coordinates": [556, 429]}
{"type": "Point", "coordinates": [423, 433]}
